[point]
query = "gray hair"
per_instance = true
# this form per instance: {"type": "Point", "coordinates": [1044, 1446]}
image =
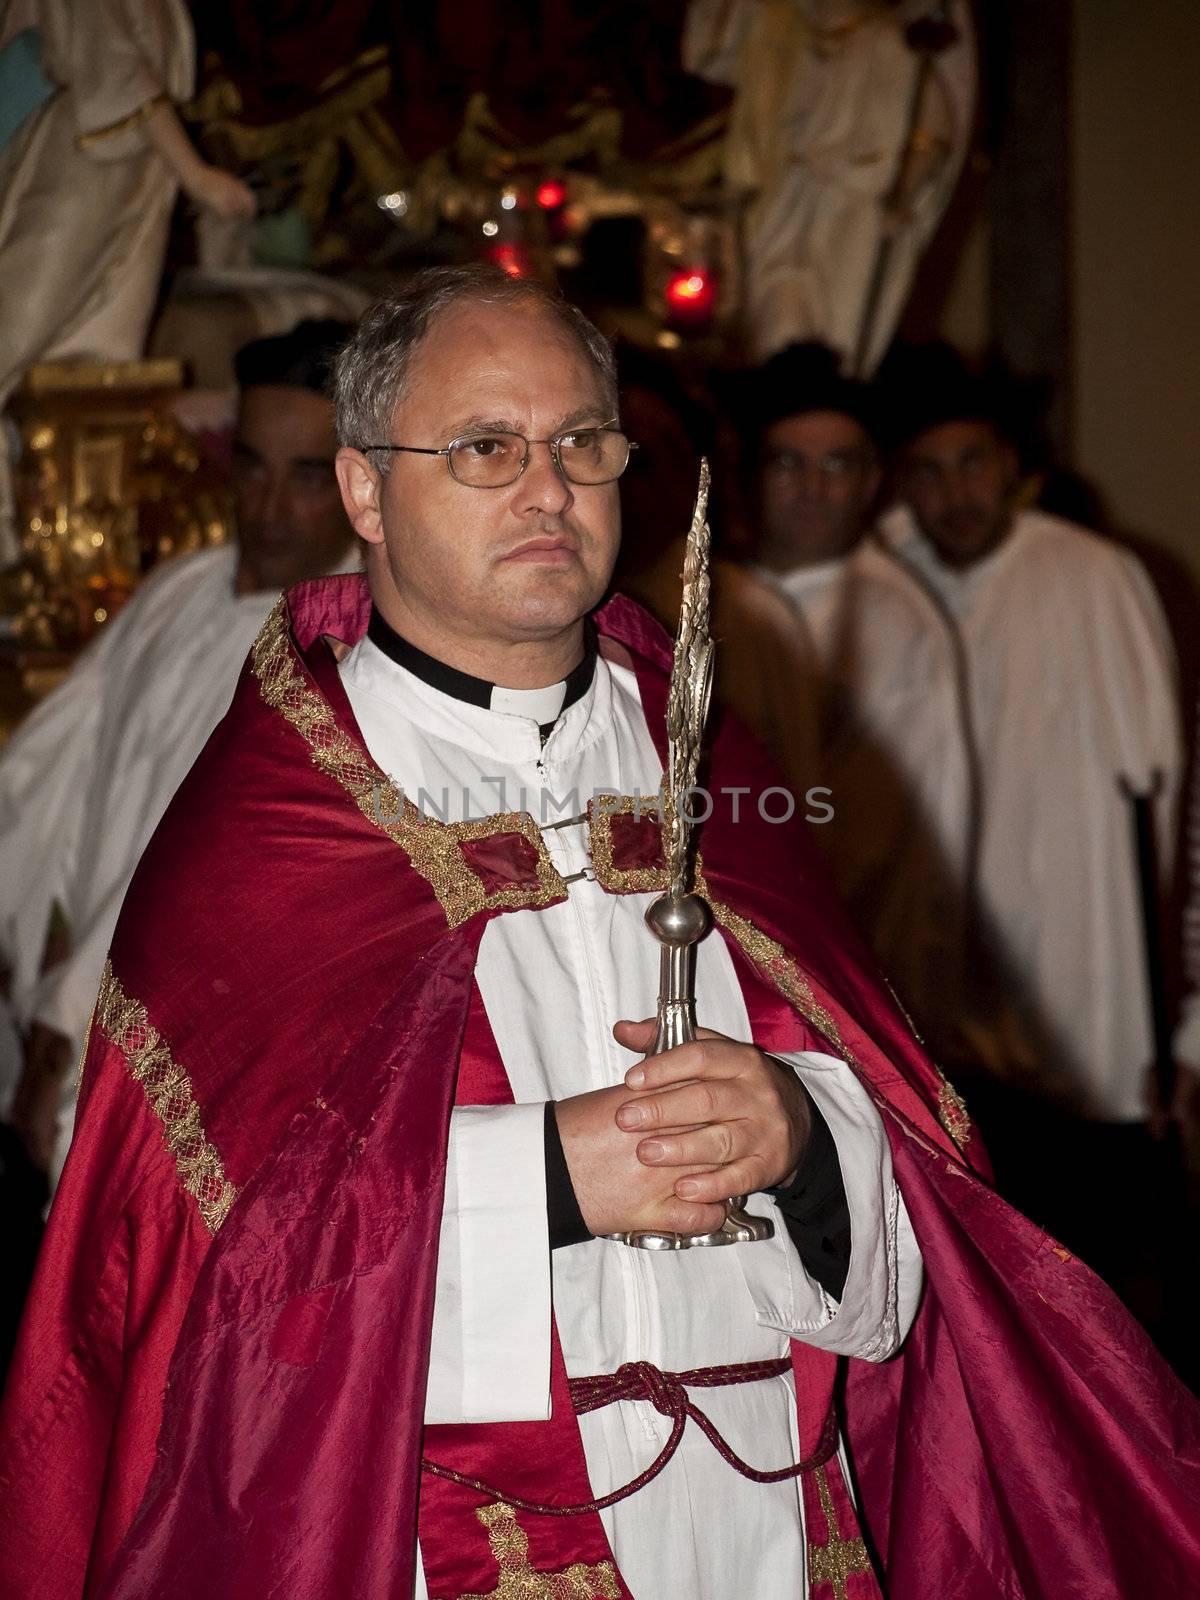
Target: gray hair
{"type": "Point", "coordinates": [374, 364]}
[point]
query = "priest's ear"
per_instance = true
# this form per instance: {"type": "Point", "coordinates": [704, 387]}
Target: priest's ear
{"type": "Point", "coordinates": [361, 485]}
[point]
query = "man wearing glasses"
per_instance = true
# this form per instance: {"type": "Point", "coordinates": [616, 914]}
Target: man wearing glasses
{"type": "Point", "coordinates": [364, 1102]}
{"type": "Point", "coordinates": [889, 726]}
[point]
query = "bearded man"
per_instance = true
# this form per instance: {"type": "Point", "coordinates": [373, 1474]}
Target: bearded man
{"type": "Point", "coordinates": [1070, 707]}
{"type": "Point", "coordinates": [330, 1304]}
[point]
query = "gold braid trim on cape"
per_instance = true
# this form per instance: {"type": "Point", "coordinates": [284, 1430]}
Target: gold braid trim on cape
{"type": "Point", "coordinates": [431, 846]}
{"type": "Point", "coordinates": [794, 986]}
{"type": "Point", "coordinates": [168, 1088]}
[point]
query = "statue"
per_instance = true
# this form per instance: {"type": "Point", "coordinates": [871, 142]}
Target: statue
{"type": "Point", "coordinates": [87, 183]}
{"type": "Point", "coordinates": [849, 125]}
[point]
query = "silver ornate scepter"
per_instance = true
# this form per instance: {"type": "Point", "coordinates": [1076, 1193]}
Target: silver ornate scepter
{"type": "Point", "coordinates": [680, 918]}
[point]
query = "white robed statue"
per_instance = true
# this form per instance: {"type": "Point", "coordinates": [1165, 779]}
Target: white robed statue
{"type": "Point", "coordinates": [88, 177]}
{"type": "Point", "coordinates": [846, 137]}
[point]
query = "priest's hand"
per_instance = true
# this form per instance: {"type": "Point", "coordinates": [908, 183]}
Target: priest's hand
{"type": "Point", "coordinates": [735, 1119]}
{"type": "Point", "coordinates": [616, 1192]}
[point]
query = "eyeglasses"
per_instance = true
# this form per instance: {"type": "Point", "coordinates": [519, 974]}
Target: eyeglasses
{"type": "Point", "coordinates": [494, 460]}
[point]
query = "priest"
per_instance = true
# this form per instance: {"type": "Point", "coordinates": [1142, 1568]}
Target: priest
{"type": "Point", "coordinates": [330, 1304]}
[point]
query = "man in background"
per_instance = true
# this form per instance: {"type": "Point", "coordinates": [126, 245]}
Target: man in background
{"type": "Point", "coordinates": [889, 726]}
{"type": "Point", "coordinates": [764, 665]}
{"type": "Point", "coordinates": [86, 778]}
{"type": "Point", "coordinates": [1072, 708]}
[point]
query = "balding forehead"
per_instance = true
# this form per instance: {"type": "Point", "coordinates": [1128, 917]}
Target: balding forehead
{"type": "Point", "coordinates": [481, 366]}
{"type": "Point", "coordinates": [397, 339]}
{"type": "Point", "coordinates": [474, 316]}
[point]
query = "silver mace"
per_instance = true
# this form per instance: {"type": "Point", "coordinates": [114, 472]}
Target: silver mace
{"type": "Point", "coordinates": [680, 918]}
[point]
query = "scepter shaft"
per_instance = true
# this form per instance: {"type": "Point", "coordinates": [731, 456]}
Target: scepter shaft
{"type": "Point", "coordinates": [679, 919]}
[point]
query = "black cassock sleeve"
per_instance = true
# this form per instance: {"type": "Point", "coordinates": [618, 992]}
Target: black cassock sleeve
{"type": "Point", "coordinates": [562, 1209]}
{"type": "Point", "coordinates": [815, 1210]}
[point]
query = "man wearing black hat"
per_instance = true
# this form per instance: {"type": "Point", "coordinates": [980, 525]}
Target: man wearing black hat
{"type": "Point", "coordinates": [889, 725]}
{"type": "Point", "coordinates": [86, 778]}
{"type": "Point", "coordinates": [1071, 707]}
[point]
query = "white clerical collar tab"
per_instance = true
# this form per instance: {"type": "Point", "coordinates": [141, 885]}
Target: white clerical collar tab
{"type": "Point", "coordinates": [542, 705]}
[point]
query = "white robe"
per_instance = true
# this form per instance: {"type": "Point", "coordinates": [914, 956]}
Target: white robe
{"type": "Point", "coordinates": [86, 777]}
{"type": "Point", "coordinates": [553, 982]}
{"type": "Point", "coordinates": [893, 750]}
{"type": "Point", "coordinates": [1071, 677]}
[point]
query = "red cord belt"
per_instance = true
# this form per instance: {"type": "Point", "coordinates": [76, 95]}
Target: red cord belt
{"type": "Point", "coordinates": [667, 1393]}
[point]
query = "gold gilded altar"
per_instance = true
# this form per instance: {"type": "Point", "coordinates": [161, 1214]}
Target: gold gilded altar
{"type": "Point", "coordinates": [107, 484]}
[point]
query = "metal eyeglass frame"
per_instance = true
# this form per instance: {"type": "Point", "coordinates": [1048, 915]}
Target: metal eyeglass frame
{"type": "Point", "coordinates": [553, 442]}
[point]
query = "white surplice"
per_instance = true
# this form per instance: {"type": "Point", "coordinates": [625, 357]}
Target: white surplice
{"type": "Point", "coordinates": [1072, 697]}
{"type": "Point", "coordinates": [894, 753]}
{"type": "Point", "coordinates": [553, 982]}
{"type": "Point", "coordinates": [86, 777]}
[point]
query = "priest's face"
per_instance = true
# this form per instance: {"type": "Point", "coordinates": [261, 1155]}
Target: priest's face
{"type": "Point", "coordinates": [290, 518]}
{"type": "Point", "coordinates": [818, 478]}
{"type": "Point", "coordinates": [960, 480]}
{"type": "Point", "coordinates": [463, 571]}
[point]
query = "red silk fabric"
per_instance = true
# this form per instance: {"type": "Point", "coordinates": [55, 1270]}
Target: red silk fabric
{"type": "Point", "coordinates": [1027, 1442]}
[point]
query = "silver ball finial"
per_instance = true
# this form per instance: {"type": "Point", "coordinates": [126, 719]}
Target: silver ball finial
{"type": "Point", "coordinates": [678, 920]}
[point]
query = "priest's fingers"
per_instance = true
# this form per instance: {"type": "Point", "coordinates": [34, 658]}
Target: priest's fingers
{"type": "Point", "coordinates": [711, 1054]}
{"type": "Point", "coordinates": [640, 1035]}
{"type": "Point", "coordinates": [636, 1035]}
{"type": "Point", "coordinates": [764, 1146]}
{"type": "Point", "coordinates": [739, 1177]}
{"type": "Point", "coordinates": [616, 1192]}
{"type": "Point", "coordinates": [760, 1110]}
{"type": "Point", "coordinates": [713, 1146]}
{"type": "Point", "coordinates": [685, 1105]}
{"type": "Point", "coordinates": [677, 1215]}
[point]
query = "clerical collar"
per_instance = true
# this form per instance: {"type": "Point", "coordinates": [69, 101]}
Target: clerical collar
{"type": "Point", "coordinates": [543, 706]}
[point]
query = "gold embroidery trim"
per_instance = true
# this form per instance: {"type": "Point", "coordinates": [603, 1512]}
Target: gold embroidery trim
{"type": "Point", "coordinates": [765, 952]}
{"type": "Point", "coordinates": [87, 1040]}
{"type": "Point", "coordinates": [634, 880]}
{"type": "Point", "coordinates": [952, 1111]}
{"type": "Point", "coordinates": [168, 1088]}
{"type": "Point", "coordinates": [952, 1108]}
{"type": "Point", "coordinates": [520, 1581]}
{"type": "Point", "coordinates": [85, 141]}
{"type": "Point", "coordinates": [431, 846]}
{"type": "Point", "coordinates": [837, 1561]}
